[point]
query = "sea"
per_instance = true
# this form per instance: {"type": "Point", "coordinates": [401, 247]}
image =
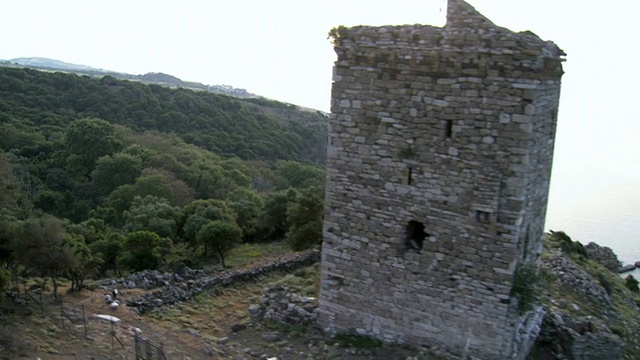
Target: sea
{"type": "Point", "coordinates": [603, 209]}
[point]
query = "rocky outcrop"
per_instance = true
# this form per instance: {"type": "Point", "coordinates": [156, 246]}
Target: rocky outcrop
{"type": "Point", "coordinates": [175, 289]}
{"type": "Point", "coordinates": [627, 268]}
{"type": "Point", "coordinates": [280, 304]}
{"type": "Point", "coordinates": [585, 338]}
{"type": "Point", "coordinates": [575, 278]}
{"type": "Point", "coordinates": [603, 255]}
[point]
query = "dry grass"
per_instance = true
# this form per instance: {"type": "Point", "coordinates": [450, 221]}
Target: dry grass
{"type": "Point", "coordinates": [185, 330]}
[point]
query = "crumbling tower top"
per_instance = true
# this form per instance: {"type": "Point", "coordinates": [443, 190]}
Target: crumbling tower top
{"type": "Point", "coordinates": [461, 14]}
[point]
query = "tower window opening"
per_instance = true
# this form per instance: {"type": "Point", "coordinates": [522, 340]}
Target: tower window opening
{"type": "Point", "coordinates": [415, 236]}
{"type": "Point", "coordinates": [483, 216]}
{"type": "Point", "coordinates": [409, 176]}
{"type": "Point", "coordinates": [448, 129]}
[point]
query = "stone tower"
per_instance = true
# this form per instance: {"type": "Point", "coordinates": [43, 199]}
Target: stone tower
{"type": "Point", "coordinates": [439, 159]}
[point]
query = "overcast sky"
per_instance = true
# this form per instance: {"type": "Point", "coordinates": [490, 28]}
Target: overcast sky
{"type": "Point", "coordinates": [279, 49]}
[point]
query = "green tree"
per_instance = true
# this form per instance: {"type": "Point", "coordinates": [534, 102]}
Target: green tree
{"type": "Point", "coordinates": [108, 215]}
{"type": "Point", "coordinates": [87, 140]}
{"type": "Point", "coordinates": [297, 175]}
{"type": "Point", "coordinates": [107, 250]}
{"type": "Point", "coordinates": [18, 136]}
{"type": "Point", "coordinates": [84, 261]}
{"type": "Point", "coordinates": [210, 181]}
{"type": "Point", "coordinates": [8, 233]}
{"type": "Point", "coordinates": [154, 185]}
{"type": "Point", "coordinates": [91, 230]}
{"type": "Point", "coordinates": [181, 193]}
{"type": "Point", "coordinates": [220, 211]}
{"type": "Point", "coordinates": [9, 184]}
{"type": "Point", "coordinates": [153, 214]}
{"type": "Point", "coordinates": [275, 212]}
{"type": "Point", "coordinates": [211, 210]}
{"type": "Point", "coordinates": [262, 178]}
{"type": "Point", "coordinates": [248, 204]}
{"type": "Point", "coordinates": [305, 219]}
{"type": "Point", "coordinates": [219, 236]}
{"type": "Point", "coordinates": [114, 170]}
{"type": "Point", "coordinates": [41, 247]}
{"type": "Point", "coordinates": [144, 250]}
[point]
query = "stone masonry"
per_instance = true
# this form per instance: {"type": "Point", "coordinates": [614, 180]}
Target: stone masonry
{"type": "Point", "coordinates": [439, 158]}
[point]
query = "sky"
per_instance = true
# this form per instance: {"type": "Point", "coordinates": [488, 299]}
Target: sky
{"type": "Point", "coordinates": [279, 49]}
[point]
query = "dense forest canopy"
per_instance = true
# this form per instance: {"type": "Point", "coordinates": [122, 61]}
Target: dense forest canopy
{"type": "Point", "coordinates": [31, 99]}
{"type": "Point", "coordinates": [114, 174]}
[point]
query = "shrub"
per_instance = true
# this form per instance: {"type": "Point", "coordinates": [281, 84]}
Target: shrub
{"type": "Point", "coordinates": [631, 283]}
{"type": "Point", "coordinates": [524, 287]}
{"type": "Point", "coordinates": [563, 241]}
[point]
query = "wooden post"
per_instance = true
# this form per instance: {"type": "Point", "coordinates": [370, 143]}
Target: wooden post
{"type": "Point", "coordinates": [112, 335]}
{"type": "Point", "coordinates": [84, 319]}
{"type": "Point", "coordinates": [41, 303]}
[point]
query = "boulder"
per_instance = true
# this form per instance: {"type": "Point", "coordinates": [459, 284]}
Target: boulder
{"type": "Point", "coordinates": [585, 338]}
{"type": "Point", "coordinates": [603, 255]}
{"type": "Point", "coordinates": [626, 268]}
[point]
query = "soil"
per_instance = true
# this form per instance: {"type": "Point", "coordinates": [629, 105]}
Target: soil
{"type": "Point", "coordinates": [215, 325]}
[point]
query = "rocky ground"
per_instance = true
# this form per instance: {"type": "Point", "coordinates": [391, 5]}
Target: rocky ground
{"type": "Point", "coordinates": [266, 311]}
{"type": "Point", "coordinates": [267, 315]}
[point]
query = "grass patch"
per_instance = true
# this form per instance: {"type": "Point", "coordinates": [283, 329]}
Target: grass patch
{"type": "Point", "coordinates": [305, 281]}
{"type": "Point", "coordinates": [358, 341]}
{"type": "Point", "coordinates": [251, 253]}
{"type": "Point", "coordinates": [291, 329]}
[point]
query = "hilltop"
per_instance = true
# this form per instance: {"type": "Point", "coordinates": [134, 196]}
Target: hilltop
{"type": "Point", "coordinates": [148, 78]}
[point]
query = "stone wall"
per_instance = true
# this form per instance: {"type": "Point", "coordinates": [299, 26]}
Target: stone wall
{"type": "Point", "coordinates": [177, 287]}
{"type": "Point", "coordinates": [439, 159]}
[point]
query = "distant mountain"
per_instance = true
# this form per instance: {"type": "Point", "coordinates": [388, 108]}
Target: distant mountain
{"type": "Point", "coordinates": [39, 62]}
{"type": "Point", "coordinates": [148, 78]}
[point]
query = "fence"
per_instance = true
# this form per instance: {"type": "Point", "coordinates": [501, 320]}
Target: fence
{"type": "Point", "coordinates": [147, 349]}
{"type": "Point", "coordinates": [70, 316]}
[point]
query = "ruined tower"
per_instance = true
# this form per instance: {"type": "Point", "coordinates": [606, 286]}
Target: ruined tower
{"type": "Point", "coordinates": [439, 159]}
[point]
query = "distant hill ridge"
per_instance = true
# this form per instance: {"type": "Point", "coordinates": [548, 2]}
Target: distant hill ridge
{"type": "Point", "coordinates": [148, 78]}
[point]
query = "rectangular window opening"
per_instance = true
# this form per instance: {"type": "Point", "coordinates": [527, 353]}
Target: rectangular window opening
{"type": "Point", "coordinates": [483, 216]}
{"type": "Point", "coordinates": [415, 236]}
{"type": "Point", "coordinates": [409, 176]}
{"type": "Point", "coordinates": [448, 129]}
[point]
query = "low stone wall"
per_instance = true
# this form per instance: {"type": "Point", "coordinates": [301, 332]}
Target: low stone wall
{"type": "Point", "coordinates": [173, 291]}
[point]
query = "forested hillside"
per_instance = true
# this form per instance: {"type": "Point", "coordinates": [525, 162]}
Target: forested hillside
{"type": "Point", "coordinates": [99, 176]}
